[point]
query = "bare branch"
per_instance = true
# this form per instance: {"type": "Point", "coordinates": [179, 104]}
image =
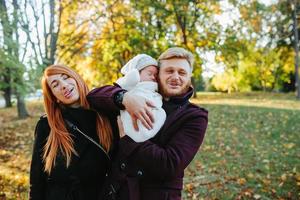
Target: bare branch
{"type": "Point", "coordinates": [36, 29]}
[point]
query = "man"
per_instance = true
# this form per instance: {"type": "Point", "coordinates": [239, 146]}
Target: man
{"type": "Point", "coordinates": [154, 169]}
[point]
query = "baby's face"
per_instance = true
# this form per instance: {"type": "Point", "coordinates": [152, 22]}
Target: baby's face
{"type": "Point", "coordinates": [149, 73]}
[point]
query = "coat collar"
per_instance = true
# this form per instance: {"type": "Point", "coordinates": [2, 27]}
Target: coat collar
{"type": "Point", "coordinates": [175, 102]}
{"type": "Point", "coordinates": [78, 113]}
{"type": "Point", "coordinates": [182, 99]}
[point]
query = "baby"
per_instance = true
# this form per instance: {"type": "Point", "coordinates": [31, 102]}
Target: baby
{"type": "Point", "coordinates": [139, 78]}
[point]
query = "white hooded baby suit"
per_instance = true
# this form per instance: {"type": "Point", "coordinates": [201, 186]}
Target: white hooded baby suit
{"type": "Point", "coordinates": [147, 89]}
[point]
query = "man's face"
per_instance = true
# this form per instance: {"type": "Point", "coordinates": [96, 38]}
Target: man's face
{"type": "Point", "coordinates": [174, 77]}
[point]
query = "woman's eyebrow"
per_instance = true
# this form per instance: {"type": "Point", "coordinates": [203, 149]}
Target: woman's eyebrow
{"type": "Point", "coordinates": [61, 75]}
{"type": "Point", "coordinates": [53, 82]}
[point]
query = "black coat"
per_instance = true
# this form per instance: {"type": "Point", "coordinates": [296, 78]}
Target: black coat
{"type": "Point", "coordinates": [84, 178]}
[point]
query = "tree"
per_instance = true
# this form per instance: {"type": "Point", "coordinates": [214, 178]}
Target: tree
{"type": "Point", "coordinates": [43, 40]}
{"type": "Point", "coordinates": [120, 38]}
{"type": "Point", "coordinates": [296, 45]}
{"type": "Point", "coordinates": [6, 73]}
{"type": "Point", "coordinates": [13, 67]}
{"type": "Point", "coordinates": [17, 20]}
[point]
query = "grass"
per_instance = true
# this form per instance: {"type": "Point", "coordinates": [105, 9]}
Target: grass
{"type": "Point", "coordinates": [256, 99]}
{"type": "Point", "coordinates": [251, 149]}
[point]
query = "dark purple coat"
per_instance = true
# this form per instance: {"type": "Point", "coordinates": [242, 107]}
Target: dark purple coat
{"type": "Point", "coordinates": [154, 169]}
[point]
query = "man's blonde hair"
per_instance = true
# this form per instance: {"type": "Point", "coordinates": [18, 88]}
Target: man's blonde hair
{"type": "Point", "coordinates": [177, 52]}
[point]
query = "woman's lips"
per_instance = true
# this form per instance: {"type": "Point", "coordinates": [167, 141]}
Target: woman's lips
{"type": "Point", "coordinates": [68, 94]}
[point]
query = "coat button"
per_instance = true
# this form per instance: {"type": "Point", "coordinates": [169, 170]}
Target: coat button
{"type": "Point", "coordinates": [139, 173]}
{"type": "Point", "coordinates": [123, 166]}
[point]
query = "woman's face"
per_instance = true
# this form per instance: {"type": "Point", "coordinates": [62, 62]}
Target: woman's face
{"type": "Point", "coordinates": [65, 89]}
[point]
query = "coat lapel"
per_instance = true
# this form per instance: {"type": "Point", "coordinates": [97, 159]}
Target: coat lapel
{"type": "Point", "coordinates": [80, 144]}
{"type": "Point", "coordinates": [82, 119]}
{"type": "Point", "coordinates": [168, 128]}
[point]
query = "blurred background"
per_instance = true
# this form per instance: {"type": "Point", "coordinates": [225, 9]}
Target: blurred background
{"type": "Point", "coordinates": [244, 74]}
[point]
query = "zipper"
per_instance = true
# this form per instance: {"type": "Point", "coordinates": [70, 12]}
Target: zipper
{"type": "Point", "coordinates": [74, 127]}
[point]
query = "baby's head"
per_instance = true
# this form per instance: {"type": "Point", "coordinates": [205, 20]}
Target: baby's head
{"type": "Point", "coordinates": [146, 65]}
{"type": "Point", "coordinates": [149, 73]}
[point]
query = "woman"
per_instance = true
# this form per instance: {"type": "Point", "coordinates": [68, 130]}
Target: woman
{"type": "Point", "coordinates": [65, 163]}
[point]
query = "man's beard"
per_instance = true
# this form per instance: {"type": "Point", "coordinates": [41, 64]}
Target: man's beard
{"type": "Point", "coordinates": [166, 94]}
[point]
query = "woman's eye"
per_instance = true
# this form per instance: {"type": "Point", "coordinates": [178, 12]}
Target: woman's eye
{"type": "Point", "coordinates": [55, 85]}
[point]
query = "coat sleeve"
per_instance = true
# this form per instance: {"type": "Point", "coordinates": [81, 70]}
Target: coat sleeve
{"type": "Point", "coordinates": [170, 160]}
{"type": "Point", "coordinates": [102, 100]}
{"type": "Point", "coordinates": [37, 175]}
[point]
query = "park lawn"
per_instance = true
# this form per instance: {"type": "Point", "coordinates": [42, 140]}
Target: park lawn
{"type": "Point", "coordinates": [251, 149]}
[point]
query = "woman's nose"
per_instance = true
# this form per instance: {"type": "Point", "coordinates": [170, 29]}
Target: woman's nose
{"type": "Point", "coordinates": [63, 85]}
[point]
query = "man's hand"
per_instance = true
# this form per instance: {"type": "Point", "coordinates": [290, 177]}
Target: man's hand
{"type": "Point", "coordinates": [121, 127]}
{"type": "Point", "coordinates": [139, 109]}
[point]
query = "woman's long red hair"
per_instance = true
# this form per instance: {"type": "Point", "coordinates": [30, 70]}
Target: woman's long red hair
{"type": "Point", "coordinates": [59, 138]}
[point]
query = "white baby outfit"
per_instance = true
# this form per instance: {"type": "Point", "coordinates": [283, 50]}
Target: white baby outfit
{"type": "Point", "coordinates": [147, 89]}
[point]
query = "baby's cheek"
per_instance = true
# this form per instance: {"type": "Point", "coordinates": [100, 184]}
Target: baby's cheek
{"type": "Point", "coordinates": [145, 77]}
{"type": "Point", "coordinates": [142, 77]}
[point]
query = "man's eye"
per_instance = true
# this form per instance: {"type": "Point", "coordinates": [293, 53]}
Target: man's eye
{"type": "Point", "coordinates": [65, 76]}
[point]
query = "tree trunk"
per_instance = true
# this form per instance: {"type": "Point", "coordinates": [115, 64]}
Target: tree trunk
{"type": "Point", "coordinates": [53, 34]}
{"type": "Point", "coordinates": [194, 86]}
{"type": "Point", "coordinates": [22, 111]}
{"type": "Point", "coordinates": [296, 43]}
{"type": "Point", "coordinates": [14, 75]}
{"type": "Point", "coordinates": [7, 97]}
{"type": "Point", "coordinates": [21, 107]}
{"type": "Point", "coordinates": [7, 35]}
{"type": "Point", "coordinates": [7, 89]}
{"type": "Point", "coordinates": [182, 22]}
